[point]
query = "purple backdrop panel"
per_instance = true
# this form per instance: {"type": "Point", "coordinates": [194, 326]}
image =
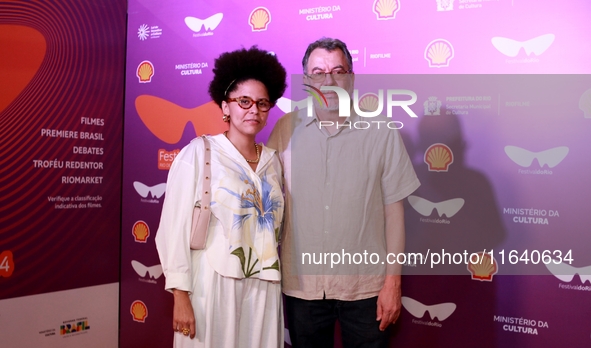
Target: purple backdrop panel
{"type": "Point", "coordinates": [171, 51]}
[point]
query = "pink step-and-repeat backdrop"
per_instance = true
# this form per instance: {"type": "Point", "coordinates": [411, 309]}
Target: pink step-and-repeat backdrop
{"type": "Point", "coordinates": [500, 145]}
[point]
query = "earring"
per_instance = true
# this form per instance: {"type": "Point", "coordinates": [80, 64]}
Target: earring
{"type": "Point", "coordinates": [226, 118]}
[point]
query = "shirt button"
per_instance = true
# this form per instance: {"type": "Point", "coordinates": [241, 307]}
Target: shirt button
{"type": "Point", "coordinates": [326, 207]}
{"type": "Point", "coordinates": [325, 231]}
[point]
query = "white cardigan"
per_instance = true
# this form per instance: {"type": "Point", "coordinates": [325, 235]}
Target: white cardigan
{"type": "Point", "coordinates": [247, 209]}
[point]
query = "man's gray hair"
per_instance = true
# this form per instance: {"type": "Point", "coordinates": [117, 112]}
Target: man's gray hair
{"type": "Point", "coordinates": [330, 45]}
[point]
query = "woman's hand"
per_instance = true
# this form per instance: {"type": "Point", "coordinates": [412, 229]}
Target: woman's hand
{"type": "Point", "coordinates": [183, 317]}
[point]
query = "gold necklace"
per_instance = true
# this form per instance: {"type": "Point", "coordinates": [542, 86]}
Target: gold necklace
{"type": "Point", "coordinates": [256, 148]}
{"type": "Point", "coordinates": [258, 155]}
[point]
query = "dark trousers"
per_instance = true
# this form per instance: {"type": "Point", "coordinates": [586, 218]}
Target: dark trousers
{"type": "Point", "coordinates": [311, 323]}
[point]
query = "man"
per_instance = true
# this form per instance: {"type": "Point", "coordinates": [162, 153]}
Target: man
{"type": "Point", "coordinates": [344, 188]}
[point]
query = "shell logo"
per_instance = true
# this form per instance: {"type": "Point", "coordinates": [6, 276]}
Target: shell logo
{"type": "Point", "coordinates": [145, 71]}
{"type": "Point", "coordinates": [439, 53]}
{"type": "Point", "coordinates": [139, 311]}
{"type": "Point", "coordinates": [369, 102]}
{"type": "Point", "coordinates": [439, 156]}
{"type": "Point", "coordinates": [484, 269]}
{"type": "Point", "coordinates": [386, 9]}
{"type": "Point", "coordinates": [140, 231]}
{"type": "Point", "coordinates": [259, 19]}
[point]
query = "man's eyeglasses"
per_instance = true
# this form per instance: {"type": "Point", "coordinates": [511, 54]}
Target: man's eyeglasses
{"type": "Point", "coordinates": [337, 74]}
{"type": "Point", "coordinates": [247, 102]}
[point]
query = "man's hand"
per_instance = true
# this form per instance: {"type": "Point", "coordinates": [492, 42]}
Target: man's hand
{"type": "Point", "coordinates": [389, 302]}
{"type": "Point", "coordinates": [182, 315]}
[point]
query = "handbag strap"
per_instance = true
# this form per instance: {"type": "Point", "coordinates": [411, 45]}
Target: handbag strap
{"type": "Point", "coordinates": [206, 188]}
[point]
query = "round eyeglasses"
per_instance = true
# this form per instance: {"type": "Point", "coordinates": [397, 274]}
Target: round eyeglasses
{"type": "Point", "coordinates": [247, 102]}
{"type": "Point", "coordinates": [337, 74]}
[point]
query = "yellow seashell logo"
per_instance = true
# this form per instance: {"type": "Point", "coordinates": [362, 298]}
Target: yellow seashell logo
{"type": "Point", "coordinates": [369, 102]}
{"type": "Point", "coordinates": [140, 231]}
{"type": "Point", "coordinates": [139, 311]}
{"type": "Point", "coordinates": [145, 71]}
{"type": "Point", "coordinates": [259, 19]}
{"type": "Point", "coordinates": [439, 53]}
{"type": "Point", "coordinates": [439, 157]}
{"type": "Point", "coordinates": [484, 269]}
{"type": "Point", "coordinates": [386, 9]}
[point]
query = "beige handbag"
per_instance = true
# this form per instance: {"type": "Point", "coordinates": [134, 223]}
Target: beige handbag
{"type": "Point", "coordinates": [202, 212]}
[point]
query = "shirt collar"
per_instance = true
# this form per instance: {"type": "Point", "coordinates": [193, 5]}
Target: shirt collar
{"type": "Point", "coordinates": [227, 146]}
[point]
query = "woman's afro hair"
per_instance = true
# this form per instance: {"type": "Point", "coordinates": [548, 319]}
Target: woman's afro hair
{"type": "Point", "coordinates": [233, 68]}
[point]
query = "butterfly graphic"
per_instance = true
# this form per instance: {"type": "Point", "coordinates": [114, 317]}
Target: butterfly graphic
{"type": "Point", "coordinates": [156, 191]}
{"type": "Point", "coordinates": [524, 157]}
{"type": "Point", "coordinates": [440, 311]}
{"type": "Point", "coordinates": [210, 23]}
{"type": "Point", "coordinates": [154, 272]}
{"type": "Point", "coordinates": [566, 272]}
{"type": "Point", "coordinates": [511, 48]}
{"type": "Point", "coordinates": [167, 121]}
{"type": "Point", "coordinates": [425, 207]}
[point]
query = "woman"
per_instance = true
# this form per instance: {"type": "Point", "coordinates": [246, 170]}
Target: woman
{"type": "Point", "coordinates": [229, 295]}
